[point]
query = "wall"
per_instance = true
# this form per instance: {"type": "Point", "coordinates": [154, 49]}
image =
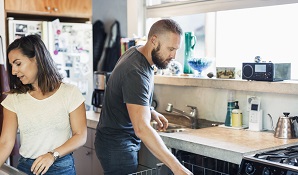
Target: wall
{"type": "Point", "coordinates": [2, 24]}
{"type": "Point", "coordinates": [212, 103]}
{"type": "Point", "coordinates": [108, 11]}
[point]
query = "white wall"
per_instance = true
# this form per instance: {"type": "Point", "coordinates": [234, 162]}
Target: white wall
{"type": "Point", "coordinates": [212, 103]}
{"type": "Point", "coordinates": [2, 26]}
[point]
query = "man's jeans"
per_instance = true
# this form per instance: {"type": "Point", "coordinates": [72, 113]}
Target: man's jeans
{"type": "Point", "coordinates": [116, 161]}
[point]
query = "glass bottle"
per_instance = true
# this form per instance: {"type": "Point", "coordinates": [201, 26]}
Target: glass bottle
{"type": "Point", "coordinates": [190, 42]}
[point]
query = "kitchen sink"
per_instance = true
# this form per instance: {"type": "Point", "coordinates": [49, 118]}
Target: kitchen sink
{"type": "Point", "coordinates": [178, 123]}
{"type": "Point", "coordinates": [171, 127]}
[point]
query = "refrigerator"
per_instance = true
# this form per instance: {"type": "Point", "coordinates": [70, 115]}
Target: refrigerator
{"type": "Point", "coordinates": [70, 45]}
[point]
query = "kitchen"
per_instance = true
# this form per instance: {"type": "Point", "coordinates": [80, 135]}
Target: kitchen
{"type": "Point", "coordinates": [210, 95]}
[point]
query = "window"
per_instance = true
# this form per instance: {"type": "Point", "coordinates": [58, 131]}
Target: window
{"type": "Point", "coordinates": [236, 36]}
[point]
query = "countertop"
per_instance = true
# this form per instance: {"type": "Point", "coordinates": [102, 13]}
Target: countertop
{"type": "Point", "coordinates": [9, 170]}
{"type": "Point", "coordinates": [216, 142]}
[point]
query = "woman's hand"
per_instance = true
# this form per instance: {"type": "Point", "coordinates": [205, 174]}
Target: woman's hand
{"type": "Point", "coordinates": [162, 122]}
{"type": "Point", "coordinates": [42, 164]}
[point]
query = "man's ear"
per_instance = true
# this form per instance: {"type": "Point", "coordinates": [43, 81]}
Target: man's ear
{"type": "Point", "coordinates": [153, 40]}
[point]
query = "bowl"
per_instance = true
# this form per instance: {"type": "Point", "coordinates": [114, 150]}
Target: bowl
{"type": "Point", "coordinates": [199, 64]}
{"type": "Point", "coordinates": [175, 67]}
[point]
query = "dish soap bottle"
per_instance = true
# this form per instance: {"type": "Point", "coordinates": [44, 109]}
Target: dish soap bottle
{"type": "Point", "coordinates": [230, 107]}
{"type": "Point", "coordinates": [236, 116]}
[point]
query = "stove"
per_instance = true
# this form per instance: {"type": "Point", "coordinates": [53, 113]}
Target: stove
{"type": "Point", "coordinates": [283, 161]}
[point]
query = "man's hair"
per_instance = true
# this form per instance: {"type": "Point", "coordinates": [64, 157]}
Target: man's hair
{"type": "Point", "coordinates": [48, 76]}
{"type": "Point", "coordinates": [165, 25]}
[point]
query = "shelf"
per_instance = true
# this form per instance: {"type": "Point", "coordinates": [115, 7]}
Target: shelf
{"type": "Point", "coordinates": [281, 87]}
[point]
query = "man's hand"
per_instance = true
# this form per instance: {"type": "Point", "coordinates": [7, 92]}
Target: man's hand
{"type": "Point", "coordinates": [162, 122]}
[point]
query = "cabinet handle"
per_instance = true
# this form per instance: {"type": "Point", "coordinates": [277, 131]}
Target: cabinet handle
{"type": "Point", "coordinates": [56, 9]}
{"type": "Point", "coordinates": [48, 8]}
{"type": "Point", "coordinates": [88, 153]}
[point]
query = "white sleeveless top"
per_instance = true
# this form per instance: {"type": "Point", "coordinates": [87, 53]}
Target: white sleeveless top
{"type": "Point", "coordinates": [44, 124]}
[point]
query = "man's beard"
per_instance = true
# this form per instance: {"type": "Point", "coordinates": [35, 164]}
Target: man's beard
{"type": "Point", "coordinates": [157, 60]}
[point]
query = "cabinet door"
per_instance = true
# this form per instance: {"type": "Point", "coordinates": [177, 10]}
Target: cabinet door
{"type": "Point", "coordinates": [33, 6]}
{"type": "Point", "coordinates": [96, 166]}
{"type": "Point", "coordinates": [13, 5]}
{"type": "Point", "coordinates": [83, 160]}
{"type": "Point", "coordinates": [76, 8]}
{"type": "Point", "coordinates": [28, 6]}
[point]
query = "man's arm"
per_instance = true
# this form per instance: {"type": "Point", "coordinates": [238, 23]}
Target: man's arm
{"type": "Point", "coordinates": [140, 117]}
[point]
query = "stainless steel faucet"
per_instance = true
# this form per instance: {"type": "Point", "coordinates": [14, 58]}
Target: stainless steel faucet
{"type": "Point", "coordinates": [192, 116]}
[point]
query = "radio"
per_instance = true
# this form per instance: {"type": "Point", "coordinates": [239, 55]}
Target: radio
{"type": "Point", "coordinates": [266, 71]}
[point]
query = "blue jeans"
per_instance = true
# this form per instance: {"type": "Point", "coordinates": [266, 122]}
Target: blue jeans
{"type": "Point", "coordinates": [115, 161]}
{"type": "Point", "coordinates": [62, 166]}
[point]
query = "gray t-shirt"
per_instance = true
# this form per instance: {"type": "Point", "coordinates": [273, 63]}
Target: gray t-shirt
{"type": "Point", "coordinates": [130, 82]}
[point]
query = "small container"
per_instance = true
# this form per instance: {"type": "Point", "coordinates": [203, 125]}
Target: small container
{"type": "Point", "coordinates": [230, 107]}
{"type": "Point", "coordinates": [225, 72]}
{"type": "Point", "coordinates": [236, 116]}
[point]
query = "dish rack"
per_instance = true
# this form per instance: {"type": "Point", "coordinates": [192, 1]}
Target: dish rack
{"type": "Point", "coordinates": [151, 171]}
{"type": "Point", "coordinates": [197, 170]}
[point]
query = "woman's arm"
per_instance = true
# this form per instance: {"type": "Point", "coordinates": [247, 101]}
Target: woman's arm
{"type": "Point", "coordinates": [8, 135]}
{"type": "Point", "coordinates": [79, 131]}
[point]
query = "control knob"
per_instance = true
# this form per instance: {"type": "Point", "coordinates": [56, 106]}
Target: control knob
{"type": "Point", "coordinates": [249, 168]}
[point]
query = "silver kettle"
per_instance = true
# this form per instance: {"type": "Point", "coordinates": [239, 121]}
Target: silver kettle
{"type": "Point", "coordinates": [286, 127]}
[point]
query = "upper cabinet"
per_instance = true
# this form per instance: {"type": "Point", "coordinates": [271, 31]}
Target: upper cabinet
{"type": "Point", "coordinates": [67, 8]}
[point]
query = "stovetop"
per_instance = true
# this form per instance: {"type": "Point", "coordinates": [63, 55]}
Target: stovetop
{"type": "Point", "coordinates": [283, 161]}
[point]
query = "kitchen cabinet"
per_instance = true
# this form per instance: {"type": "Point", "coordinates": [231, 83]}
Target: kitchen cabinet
{"type": "Point", "coordinates": [86, 161]}
{"type": "Point", "coordinates": [67, 8]}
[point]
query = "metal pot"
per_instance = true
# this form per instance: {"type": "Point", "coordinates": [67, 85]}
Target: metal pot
{"type": "Point", "coordinates": [286, 127]}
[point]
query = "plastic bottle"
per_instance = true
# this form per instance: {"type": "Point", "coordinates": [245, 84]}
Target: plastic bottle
{"type": "Point", "coordinates": [236, 116]}
{"type": "Point", "coordinates": [230, 107]}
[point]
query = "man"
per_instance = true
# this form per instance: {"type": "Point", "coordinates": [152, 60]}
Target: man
{"type": "Point", "coordinates": [126, 113]}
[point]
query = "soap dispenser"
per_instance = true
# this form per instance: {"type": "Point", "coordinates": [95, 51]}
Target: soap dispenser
{"type": "Point", "coordinates": [236, 116]}
{"type": "Point", "coordinates": [230, 107]}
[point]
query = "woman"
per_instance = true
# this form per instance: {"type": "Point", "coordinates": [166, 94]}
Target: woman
{"type": "Point", "coordinates": [49, 114]}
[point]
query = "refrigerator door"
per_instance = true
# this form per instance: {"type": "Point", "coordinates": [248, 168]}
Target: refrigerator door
{"type": "Point", "coordinates": [19, 28]}
{"type": "Point", "coordinates": [70, 45]}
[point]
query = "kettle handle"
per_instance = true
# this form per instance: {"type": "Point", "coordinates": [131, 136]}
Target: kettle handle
{"type": "Point", "coordinates": [296, 118]}
{"type": "Point", "coordinates": [272, 122]}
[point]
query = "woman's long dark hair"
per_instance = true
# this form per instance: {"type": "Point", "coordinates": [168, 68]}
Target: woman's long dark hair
{"type": "Point", "coordinates": [48, 76]}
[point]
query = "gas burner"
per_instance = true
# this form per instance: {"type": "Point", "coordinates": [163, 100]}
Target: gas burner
{"type": "Point", "coordinates": [289, 161]}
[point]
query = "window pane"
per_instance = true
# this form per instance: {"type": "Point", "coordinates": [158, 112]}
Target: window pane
{"type": "Point", "coordinates": [268, 32]}
{"type": "Point", "coordinates": [189, 23]}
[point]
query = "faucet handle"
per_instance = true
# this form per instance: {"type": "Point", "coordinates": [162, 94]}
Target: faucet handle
{"type": "Point", "coordinates": [192, 107]}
